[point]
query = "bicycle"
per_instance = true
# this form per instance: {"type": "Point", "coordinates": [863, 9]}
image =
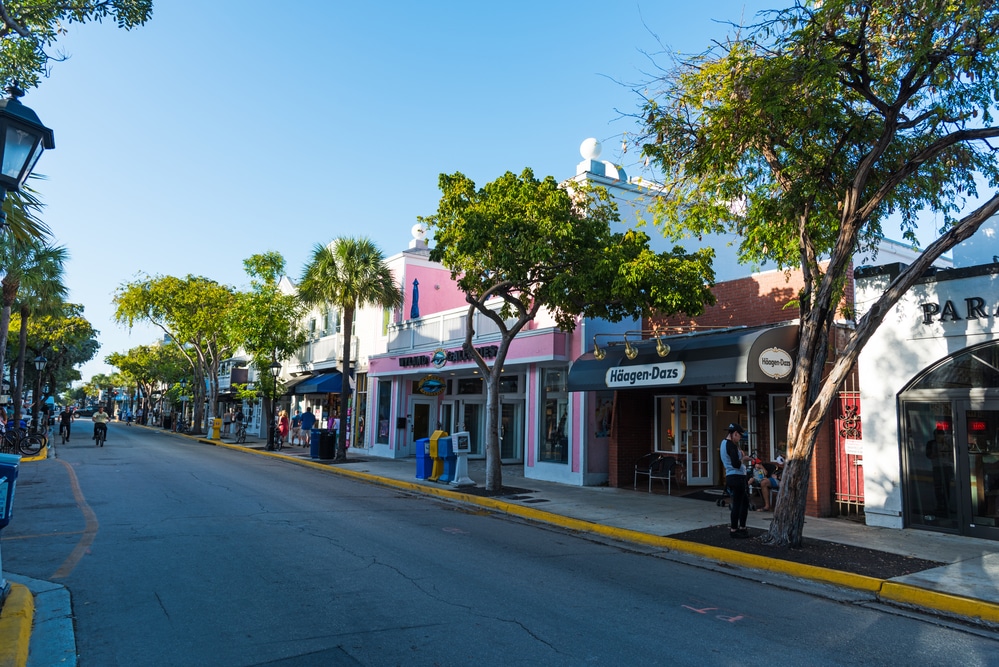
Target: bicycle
{"type": "Point", "coordinates": [101, 436]}
{"type": "Point", "coordinates": [240, 433]}
{"type": "Point", "coordinates": [21, 441]}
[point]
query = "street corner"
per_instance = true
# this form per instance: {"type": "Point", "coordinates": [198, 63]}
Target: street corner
{"type": "Point", "coordinates": [16, 618]}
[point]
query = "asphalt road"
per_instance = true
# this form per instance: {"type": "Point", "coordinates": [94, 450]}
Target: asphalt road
{"type": "Point", "coordinates": [179, 553]}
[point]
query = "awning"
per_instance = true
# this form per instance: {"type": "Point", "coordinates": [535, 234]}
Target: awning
{"type": "Point", "coordinates": [292, 387]}
{"type": "Point", "coordinates": [321, 383]}
{"type": "Point", "coordinates": [732, 356]}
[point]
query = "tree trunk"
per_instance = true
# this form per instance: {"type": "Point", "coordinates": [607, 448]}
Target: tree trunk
{"type": "Point", "coordinates": [341, 436]}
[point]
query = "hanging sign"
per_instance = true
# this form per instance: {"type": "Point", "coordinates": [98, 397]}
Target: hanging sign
{"type": "Point", "coordinates": [431, 385]}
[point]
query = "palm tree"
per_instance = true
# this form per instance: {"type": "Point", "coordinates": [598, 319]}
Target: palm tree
{"type": "Point", "coordinates": [348, 273]}
{"type": "Point", "coordinates": [40, 291]}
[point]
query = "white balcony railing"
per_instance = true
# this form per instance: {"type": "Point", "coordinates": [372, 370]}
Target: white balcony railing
{"type": "Point", "coordinates": [323, 350]}
{"type": "Point", "coordinates": [445, 329]}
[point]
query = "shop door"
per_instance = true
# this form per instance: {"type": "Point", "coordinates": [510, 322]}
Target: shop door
{"type": "Point", "coordinates": [512, 432]}
{"type": "Point", "coordinates": [700, 462]}
{"type": "Point", "coordinates": [473, 420]}
{"type": "Point", "coordinates": [422, 422]}
{"type": "Point", "coordinates": [952, 466]}
{"type": "Point", "coordinates": [980, 423]}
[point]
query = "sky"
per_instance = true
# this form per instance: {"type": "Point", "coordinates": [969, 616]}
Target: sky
{"type": "Point", "coordinates": [227, 128]}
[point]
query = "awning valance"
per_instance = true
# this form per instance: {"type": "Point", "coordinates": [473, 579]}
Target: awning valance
{"type": "Point", "coordinates": [321, 383]}
{"type": "Point", "coordinates": [731, 356]}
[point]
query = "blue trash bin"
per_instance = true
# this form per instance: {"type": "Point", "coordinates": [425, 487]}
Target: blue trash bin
{"type": "Point", "coordinates": [314, 436]}
{"type": "Point", "coordinates": [8, 480]}
{"type": "Point", "coordinates": [424, 464]}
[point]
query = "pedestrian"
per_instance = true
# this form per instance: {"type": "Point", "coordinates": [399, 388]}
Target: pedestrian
{"type": "Point", "coordinates": [283, 425]}
{"type": "Point", "coordinates": [296, 427]}
{"type": "Point", "coordinates": [308, 421]}
{"type": "Point", "coordinates": [226, 421]}
{"type": "Point", "coordinates": [734, 461]}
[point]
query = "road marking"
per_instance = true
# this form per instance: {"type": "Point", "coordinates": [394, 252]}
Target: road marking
{"type": "Point", "coordinates": [89, 531]}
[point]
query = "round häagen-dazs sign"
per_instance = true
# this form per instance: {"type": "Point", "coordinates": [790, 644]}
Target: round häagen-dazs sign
{"type": "Point", "coordinates": [776, 363]}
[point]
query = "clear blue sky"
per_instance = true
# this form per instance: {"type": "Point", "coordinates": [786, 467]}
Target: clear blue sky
{"type": "Point", "coordinates": [226, 128]}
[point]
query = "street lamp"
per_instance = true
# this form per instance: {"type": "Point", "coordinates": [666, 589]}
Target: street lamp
{"type": "Point", "coordinates": [183, 399]}
{"type": "Point", "coordinates": [24, 138]}
{"type": "Point", "coordinates": [275, 369]}
{"type": "Point", "coordinates": [40, 362]}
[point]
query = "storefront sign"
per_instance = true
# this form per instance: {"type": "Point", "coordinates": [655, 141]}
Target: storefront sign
{"type": "Point", "coordinates": [431, 385]}
{"type": "Point", "coordinates": [974, 308]}
{"type": "Point", "coordinates": [486, 352]}
{"type": "Point", "coordinates": [776, 363]}
{"type": "Point", "coordinates": [646, 375]}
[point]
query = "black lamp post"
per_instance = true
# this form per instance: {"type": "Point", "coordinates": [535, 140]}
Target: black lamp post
{"type": "Point", "coordinates": [40, 362]}
{"type": "Point", "coordinates": [275, 369]}
{"type": "Point", "coordinates": [183, 399]}
{"type": "Point", "coordinates": [24, 138]}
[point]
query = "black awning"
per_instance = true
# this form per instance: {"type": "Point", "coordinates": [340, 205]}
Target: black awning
{"type": "Point", "coordinates": [732, 356]}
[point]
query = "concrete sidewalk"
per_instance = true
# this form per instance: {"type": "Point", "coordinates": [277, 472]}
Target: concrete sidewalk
{"type": "Point", "coordinates": [967, 587]}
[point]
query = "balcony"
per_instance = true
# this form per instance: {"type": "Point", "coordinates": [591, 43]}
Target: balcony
{"type": "Point", "coordinates": [445, 329]}
{"type": "Point", "coordinates": [324, 351]}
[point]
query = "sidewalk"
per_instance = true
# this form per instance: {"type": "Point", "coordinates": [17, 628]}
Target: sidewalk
{"type": "Point", "coordinates": [967, 587]}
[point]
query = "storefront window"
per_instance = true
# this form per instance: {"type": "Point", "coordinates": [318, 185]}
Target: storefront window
{"type": "Point", "coordinates": [666, 408]}
{"type": "Point", "coordinates": [384, 411]}
{"type": "Point", "coordinates": [509, 384]}
{"type": "Point", "coordinates": [780, 410]}
{"type": "Point", "coordinates": [931, 496]}
{"type": "Point", "coordinates": [470, 386]}
{"type": "Point", "coordinates": [555, 408]}
{"type": "Point", "coordinates": [362, 408]}
{"type": "Point", "coordinates": [978, 367]}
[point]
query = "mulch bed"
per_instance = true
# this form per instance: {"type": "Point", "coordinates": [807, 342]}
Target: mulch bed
{"type": "Point", "coordinates": [830, 555]}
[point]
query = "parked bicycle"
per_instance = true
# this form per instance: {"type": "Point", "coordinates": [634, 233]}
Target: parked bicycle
{"type": "Point", "coordinates": [240, 433]}
{"type": "Point", "coordinates": [21, 441]}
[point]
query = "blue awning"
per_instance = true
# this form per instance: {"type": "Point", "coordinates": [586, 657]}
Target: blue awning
{"type": "Point", "coordinates": [321, 383]}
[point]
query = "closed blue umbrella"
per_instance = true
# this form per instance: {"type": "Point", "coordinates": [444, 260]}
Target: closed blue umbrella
{"type": "Point", "coordinates": [414, 312]}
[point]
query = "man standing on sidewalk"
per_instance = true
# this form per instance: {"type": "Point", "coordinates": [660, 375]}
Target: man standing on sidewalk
{"type": "Point", "coordinates": [307, 422]}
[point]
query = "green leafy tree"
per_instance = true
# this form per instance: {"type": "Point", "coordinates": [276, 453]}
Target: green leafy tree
{"type": "Point", "coordinates": [803, 134]}
{"type": "Point", "coordinates": [66, 339]}
{"type": "Point", "coordinates": [528, 244]}
{"type": "Point", "coordinates": [266, 322]}
{"type": "Point", "coordinates": [348, 273]}
{"type": "Point", "coordinates": [150, 366]}
{"type": "Point", "coordinates": [193, 311]}
{"type": "Point", "coordinates": [29, 30]}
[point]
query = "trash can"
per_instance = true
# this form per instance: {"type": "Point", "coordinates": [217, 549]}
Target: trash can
{"type": "Point", "coordinates": [8, 480]}
{"type": "Point", "coordinates": [423, 459]}
{"type": "Point", "coordinates": [327, 444]}
{"type": "Point", "coordinates": [167, 422]}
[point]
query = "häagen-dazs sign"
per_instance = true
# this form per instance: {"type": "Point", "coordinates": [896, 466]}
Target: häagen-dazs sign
{"type": "Point", "coordinates": [645, 375]}
{"type": "Point", "coordinates": [776, 363]}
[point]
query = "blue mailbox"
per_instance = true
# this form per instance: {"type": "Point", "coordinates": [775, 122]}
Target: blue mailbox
{"type": "Point", "coordinates": [424, 462]}
{"type": "Point", "coordinates": [8, 480]}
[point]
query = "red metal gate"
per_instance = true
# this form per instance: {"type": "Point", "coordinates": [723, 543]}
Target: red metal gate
{"type": "Point", "coordinates": [849, 455]}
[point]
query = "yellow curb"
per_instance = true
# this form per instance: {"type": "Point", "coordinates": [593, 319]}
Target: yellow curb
{"type": "Point", "coordinates": [945, 602]}
{"type": "Point", "coordinates": [42, 454]}
{"type": "Point", "coordinates": [15, 626]}
{"type": "Point", "coordinates": [884, 589]}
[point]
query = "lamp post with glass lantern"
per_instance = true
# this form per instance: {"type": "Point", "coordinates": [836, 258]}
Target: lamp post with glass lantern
{"type": "Point", "coordinates": [22, 140]}
{"type": "Point", "coordinates": [275, 369]}
{"type": "Point", "coordinates": [40, 362]}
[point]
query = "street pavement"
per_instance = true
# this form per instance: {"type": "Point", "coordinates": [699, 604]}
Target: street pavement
{"type": "Point", "coordinates": [966, 587]}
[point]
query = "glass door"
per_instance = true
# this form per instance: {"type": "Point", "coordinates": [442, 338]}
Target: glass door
{"type": "Point", "coordinates": [473, 420]}
{"type": "Point", "coordinates": [981, 426]}
{"type": "Point", "coordinates": [931, 493]}
{"type": "Point", "coordinates": [512, 432]}
{"type": "Point", "coordinates": [700, 463]}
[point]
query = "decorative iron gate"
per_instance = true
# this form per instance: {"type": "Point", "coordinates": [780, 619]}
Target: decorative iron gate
{"type": "Point", "coordinates": [849, 455]}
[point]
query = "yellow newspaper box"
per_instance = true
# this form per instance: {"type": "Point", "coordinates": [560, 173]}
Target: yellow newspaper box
{"type": "Point", "coordinates": [437, 468]}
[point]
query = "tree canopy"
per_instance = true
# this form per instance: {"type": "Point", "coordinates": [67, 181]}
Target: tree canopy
{"type": "Point", "coordinates": [805, 133]}
{"type": "Point", "coordinates": [528, 243]}
{"type": "Point", "coordinates": [29, 30]}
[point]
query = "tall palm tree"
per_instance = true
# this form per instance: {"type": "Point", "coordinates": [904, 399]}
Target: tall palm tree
{"type": "Point", "coordinates": [40, 291]}
{"type": "Point", "coordinates": [348, 273]}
